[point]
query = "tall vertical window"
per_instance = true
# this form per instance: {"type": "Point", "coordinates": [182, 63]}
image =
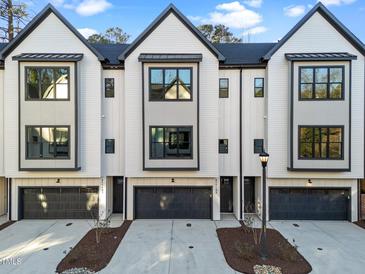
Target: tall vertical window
{"type": "Point", "coordinates": [109, 146]}
{"type": "Point", "coordinates": [109, 87]}
{"type": "Point", "coordinates": [320, 142]}
{"type": "Point", "coordinates": [170, 84]}
{"type": "Point", "coordinates": [259, 87]}
{"type": "Point", "coordinates": [47, 142]}
{"type": "Point", "coordinates": [223, 88]}
{"type": "Point", "coordinates": [171, 142]}
{"type": "Point", "coordinates": [321, 83]}
{"type": "Point", "coordinates": [47, 83]}
{"type": "Point", "coordinates": [223, 146]}
{"type": "Point", "coordinates": [258, 146]}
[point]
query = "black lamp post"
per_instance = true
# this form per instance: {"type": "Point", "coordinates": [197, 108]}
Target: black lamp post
{"type": "Point", "coordinates": [264, 158]}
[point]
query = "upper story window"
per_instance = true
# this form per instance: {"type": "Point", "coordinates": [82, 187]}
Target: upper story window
{"type": "Point", "coordinates": [171, 142]}
{"type": "Point", "coordinates": [321, 83]}
{"type": "Point", "coordinates": [109, 87]}
{"type": "Point", "coordinates": [259, 87]}
{"type": "Point", "coordinates": [321, 143]}
{"type": "Point", "coordinates": [47, 142]}
{"type": "Point", "coordinates": [47, 83]}
{"type": "Point", "coordinates": [223, 88]}
{"type": "Point", "coordinates": [170, 84]}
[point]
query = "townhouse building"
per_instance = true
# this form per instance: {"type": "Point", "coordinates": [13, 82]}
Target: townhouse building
{"type": "Point", "coordinates": [171, 125]}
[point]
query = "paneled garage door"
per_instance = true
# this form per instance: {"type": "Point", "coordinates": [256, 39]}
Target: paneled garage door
{"type": "Point", "coordinates": [59, 203]}
{"type": "Point", "coordinates": [309, 204]}
{"type": "Point", "coordinates": [172, 202]}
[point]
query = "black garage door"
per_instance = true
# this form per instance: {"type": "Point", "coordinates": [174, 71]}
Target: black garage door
{"type": "Point", "coordinates": [309, 204]}
{"type": "Point", "coordinates": [59, 203]}
{"type": "Point", "coordinates": [172, 202]}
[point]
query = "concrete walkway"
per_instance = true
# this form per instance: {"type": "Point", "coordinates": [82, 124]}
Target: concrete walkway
{"type": "Point", "coordinates": [330, 247]}
{"type": "Point", "coordinates": [171, 246]}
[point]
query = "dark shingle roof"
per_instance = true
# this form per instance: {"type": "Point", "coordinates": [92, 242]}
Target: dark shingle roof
{"type": "Point", "coordinates": [48, 57]}
{"type": "Point", "coordinates": [244, 53]}
{"type": "Point", "coordinates": [110, 51]}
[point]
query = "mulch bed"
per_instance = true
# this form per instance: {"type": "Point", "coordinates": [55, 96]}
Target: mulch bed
{"type": "Point", "coordinates": [360, 223]}
{"type": "Point", "coordinates": [5, 225]}
{"type": "Point", "coordinates": [88, 254]}
{"type": "Point", "coordinates": [242, 254]}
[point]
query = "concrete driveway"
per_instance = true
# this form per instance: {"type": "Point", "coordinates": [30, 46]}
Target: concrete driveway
{"type": "Point", "coordinates": [330, 247]}
{"type": "Point", "coordinates": [38, 246]}
{"type": "Point", "coordinates": [170, 246]}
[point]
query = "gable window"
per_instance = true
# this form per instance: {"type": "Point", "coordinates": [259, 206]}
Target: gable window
{"type": "Point", "coordinates": [170, 84]}
{"type": "Point", "coordinates": [258, 146]}
{"type": "Point", "coordinates": [223, 146]}
{"type": "Point", "coordinates": [223, 88]}
{"type": "Point", "coordinates": [259, 87]}
{"type": "Point", "coordinates": [109, 146]}
{"type": "Point", "coordinates": [47, 142]}
{"type": "Point", "coordinates": [320, 142]}
{"type": "Point", "coordinates": [170, 142]}
{"type": "Point", "coordinates": [109, 87]}
{"type": "Point", "coordinates": [47, 83]}
{"type": "Point", "coordinates": [321, 83]}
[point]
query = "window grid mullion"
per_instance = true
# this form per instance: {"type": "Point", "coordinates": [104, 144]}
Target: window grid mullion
{"type": "Point", "coordinates": [177, 84]}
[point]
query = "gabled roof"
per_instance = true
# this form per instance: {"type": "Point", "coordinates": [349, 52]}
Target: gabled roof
{"type": "Point", "coordinates": [319, 7]}
{"type": "Point", "coordinates": [36, 21]}
{"type": "Point", "coordinates": [171, 9]}
{"type": "Point", "coordinates": [110, 52]}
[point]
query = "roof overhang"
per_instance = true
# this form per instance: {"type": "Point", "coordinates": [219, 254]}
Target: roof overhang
{"type": "Point", "coordinates": [170, 57]}
{"type": "Point", "coordinates": [320, 56]}
{"type": "Point", "coordinates": [49, 57]}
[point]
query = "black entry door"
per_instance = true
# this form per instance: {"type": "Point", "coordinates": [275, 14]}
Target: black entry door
{"type": "Point", "coordinates": [249, 194]}
{"type": "Point", "coordinates": [309, 204]}
{"type": "Point", "coordinates": [172, 202]}
{"type": "Point", "coordinates": [118, 194]}
{"type": "Point", "coordinates": [226, 194]}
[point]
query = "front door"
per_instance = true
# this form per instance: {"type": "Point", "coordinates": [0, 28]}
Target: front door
{"type": "Point", "coordinates": [117, 194]}
{"type": "Point", "coordinates": [249, 190]}
{"type": "Point", "coordinates": [226, 194]}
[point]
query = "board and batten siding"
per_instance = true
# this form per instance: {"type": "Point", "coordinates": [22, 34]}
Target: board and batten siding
{"type": "Point", "coordinates": [316, 35]}
{"type": "Point", "coordinates": [163, 39]}
{"type": "Point", "coordinates": [53, 36]}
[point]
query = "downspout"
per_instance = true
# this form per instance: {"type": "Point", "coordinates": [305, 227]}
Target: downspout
{"type": "Point", "coordinates": [240, 128]}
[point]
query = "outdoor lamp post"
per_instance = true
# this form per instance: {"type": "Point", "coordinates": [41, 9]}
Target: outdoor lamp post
{"type": "Point", "coordinates": [264, 158]}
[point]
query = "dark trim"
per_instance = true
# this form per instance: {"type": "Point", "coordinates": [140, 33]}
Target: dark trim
{"type": "Point", "coordinates": [240, 143]}
{"type": "Point", "coordinates": [291, 114]}
{"type": "Point", "coordinates": [19, 118]}
{"type": "Point", "coordinates": [320, 169]}
{"type": "Point", "coordinates": [9, 199]}
{"type": "Point", "coordinates": [143, 120]}
{"type": "Point", "coordinates": [319, 7]}
{"type": "Point", "coordinates": [263, 87]}
{"type": "Point", "coordinates": [350, 111]}
{"type": "Point", "coordinates": [170, 9]}
{"type": "Point", "coordinates": [163, 83]}
{"type": "Point", "coordinates": [72, 57]}
{"type": "Point", "coordinates": [36, 21]}
{"type": "Point", "coordinates": [170, 57]}
{"type": "Point", "coordinates": [51, 169]}
{"type": "Point", "coordinates": [306, 56]}
{"type": "Point", "coordinates": [243, 66]}
{"type": "Point", "coordinates": [125, 198]}
{"type": "Point", "coordinates": [358, 199]}
{"type": "Point", "coordinates": [171, 168]}
{"type": "Point", "coordinates": [76, 98]}
{"type": "Point", "coordinates": [198, 114]}
{"type": "Point", "coordinates": [112, 67]}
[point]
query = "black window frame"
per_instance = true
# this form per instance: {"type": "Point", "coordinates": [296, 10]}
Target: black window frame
{"type": "Point", "coordinates": [256, 146]}
{"type": "Point", "coordinates": [224, 148]}
{"type": "Point", "coordinates": [54, 142]}
{"type": "Point", "coordinates": [222, 90]}
{"type": "Point", "coordinates": [328, 83]}
{"type": "Point", "coordinates": [150, 69]}
{"type": "Point", "coordinates": [106, 146]}
{"type": "Point", "coordinates": [259, 87]}
{"type": "Point", "coordinates": [106, 95]}
{"type": "Point", "coordinates": [341, 127]}
{"type": "Point", "coordinates": [26, 98]}
{"type": "Point", "coordinates": [151, 157]}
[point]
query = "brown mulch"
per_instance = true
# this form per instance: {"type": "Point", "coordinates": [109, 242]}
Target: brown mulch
{"type": "Point", "coordinates": [242, 254]}
{"type": "Point", "coordinates": [360, 223]}
{"type": "Point", "coordinates": [88, 254]}
{"type": "Point", "coordinates": [5, 225]}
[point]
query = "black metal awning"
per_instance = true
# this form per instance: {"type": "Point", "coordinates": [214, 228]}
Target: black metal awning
{"type": "Point", "coordinates": [320, 56]}
{"type": "Point", "coordinates": [170, 58]}
{"type": "Point", "coordinates": [49, 57]}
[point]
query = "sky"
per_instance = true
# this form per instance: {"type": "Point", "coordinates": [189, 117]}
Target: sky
{"type": "Point", "coordinates": [251, 20]}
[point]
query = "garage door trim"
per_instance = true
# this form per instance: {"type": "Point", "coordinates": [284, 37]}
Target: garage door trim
{"type": "Point", "coordinates": [179, 186]}
{"type": "Point", "coordinates": [349, 203]}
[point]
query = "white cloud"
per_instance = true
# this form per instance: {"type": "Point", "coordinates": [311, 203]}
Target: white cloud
{"type": "Point", "coordinates": [337, 2]}
{"type": "Point", "coordinates": [57, 2]}
{"type": "Point", "coordinates": [233, 15]}
{"type": "Point", "coordinates": [92, 7]}
{"type": "Point", "coordinates": [254, 30]}
{"type": "Point", "coordinates": [194, 18]}
{"type": "Point", "coordinates": [253, 3]}
{"type": "Point", "coordinates": [294, 11]}
{"type": "Point", "coordinates": [86, 32]}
